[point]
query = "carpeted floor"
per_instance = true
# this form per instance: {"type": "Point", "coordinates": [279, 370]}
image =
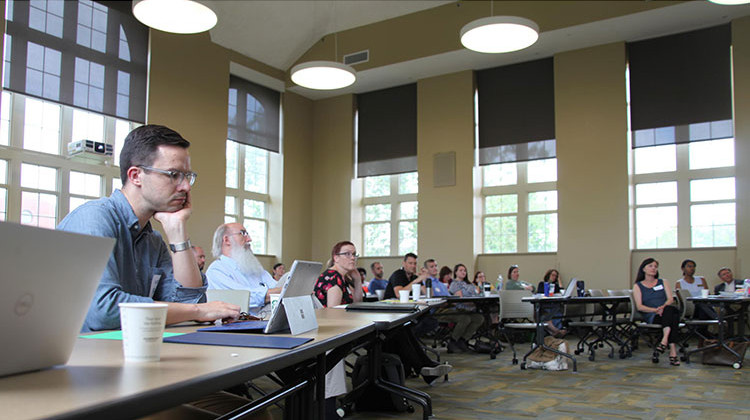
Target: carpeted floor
{"type": "Point", "coordinates": [480, 388]}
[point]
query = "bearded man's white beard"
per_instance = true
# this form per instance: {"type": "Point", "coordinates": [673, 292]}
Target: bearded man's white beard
{"type": "Point", "coordinates": [246, 260]}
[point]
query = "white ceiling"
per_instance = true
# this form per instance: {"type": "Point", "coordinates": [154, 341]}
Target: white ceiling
{"type": "Point", "coordinates": [279, 32]}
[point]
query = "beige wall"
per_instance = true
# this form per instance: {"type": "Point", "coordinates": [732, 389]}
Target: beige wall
{"type": "Point", "coordinates": [445, 123]}
{"type": "Point", "coordinates": [332, 174]}
{"type": "Point", "coordinates": [592, 150]}
{"type": "Point", "coordinates": [188, 85]}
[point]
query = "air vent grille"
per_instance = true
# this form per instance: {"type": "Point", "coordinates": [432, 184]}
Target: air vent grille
{"type": "Point", "coordinates": [357, 57]}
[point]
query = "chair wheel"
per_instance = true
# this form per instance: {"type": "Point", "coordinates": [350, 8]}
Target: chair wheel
{"type": "Point", "coordinates": [523, 366]}
{"type": "Point", "coordinates": [592, 357]}
{"type": "Point", "coordinates": [655, 359]}
{"type": "Point", "coordinates": [515, 361]}
{"type": "Point", "coordinates": [577, 352]}
{"type": "Point", "coordinates": [737, 365]}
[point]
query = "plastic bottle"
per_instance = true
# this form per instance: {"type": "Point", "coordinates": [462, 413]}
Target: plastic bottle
{"type": "Point", "coordinates": [499, 285]}
{"type": "Point", "coordinates": [746, 283]}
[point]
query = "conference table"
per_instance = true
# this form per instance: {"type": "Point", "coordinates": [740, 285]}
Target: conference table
{"type": "Point", "coordinates": [724, 313]}
{"type": "Point", "coordinates": [604, 330]}
{"type": "Point", "coordinates": [96, 383]}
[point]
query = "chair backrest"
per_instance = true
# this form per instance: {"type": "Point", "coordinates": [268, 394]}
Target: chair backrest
{"type": "Point", "coordinates": [597, 309]}
{"type": "Point", "coordinates": [240, 298]}
{"type": "Point", "coordinates": [687, 307]}
{"type": "Point", "coordinates": [622, 309]}
{"type": "Point", "coordinates": [511, 305]}
{"type": "Point", "coordinates": [634, 314]}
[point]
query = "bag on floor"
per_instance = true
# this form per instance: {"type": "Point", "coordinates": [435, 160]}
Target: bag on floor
{"type": "Point", "coordinates": [722, 356]}
{"type": "Point", "coordinates": [376, 399]}
{"type": "Point", "coordinates": [547, 360]}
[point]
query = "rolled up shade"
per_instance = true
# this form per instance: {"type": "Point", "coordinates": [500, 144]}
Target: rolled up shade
{"type": "Point", "coordinates": [254, 114]}
{"type": "Point", "coordinates": [680, 87]}
{"type": "Point", "coordinates": [83, 54]}
{"type": "Point", "coordinates": [387, 131]}
{"type": "Point", "coordinates": [516, 112]}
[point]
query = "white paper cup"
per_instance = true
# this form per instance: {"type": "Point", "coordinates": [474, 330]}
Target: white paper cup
{"type": "Point", "coordinates": [416, 289]}
{"type": "Point", "coordinates": [142, 330]}
{"type": "Point", "coordinates": [487, 293]}
{"type": "Point", "coordinates": [704, 293]}
{"type": "Point", "coordinates": [380, 293]}
{"type": "Point", "coordinates": [275, 298]}
{"type": "Point", "coordinates": [403, 296]}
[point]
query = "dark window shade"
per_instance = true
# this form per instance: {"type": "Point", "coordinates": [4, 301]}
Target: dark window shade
{"type": "Point", "coordinates": [516, 112]}
{"type": "Point", "coordinates": [387, 131]}
{"type": "Point", "coordinates": [253, 114]}
{"type": "Point", "coordinates": [680, 87]}
{"type": "Point", "coordinates": [81, 54]}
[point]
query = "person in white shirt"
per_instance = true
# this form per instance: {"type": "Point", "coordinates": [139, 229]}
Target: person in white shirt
{"type": "Point", "coordinates": [237, 268]}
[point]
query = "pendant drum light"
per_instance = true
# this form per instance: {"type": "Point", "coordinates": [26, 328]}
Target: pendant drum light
{"type": "Point", "coordinates": [324, 75]}
{"type": "Point", "coordinates": [175, 16]}
{"type": "Point", "coordinates": [499, 34]}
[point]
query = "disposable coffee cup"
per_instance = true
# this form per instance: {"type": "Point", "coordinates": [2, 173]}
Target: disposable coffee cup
{"type": "Point", "coordinates": [704, 293]}
{"type": "Point", "coordinates": [275, 298]}
{"type": "Point", "coordinates": [416, 289]}
{"type": "Point", "coordinates": [403, 296]}
{"type": "Point", "coordinates": [142, 330]}
{"type": "Point", "coordinates": [487, 290]}
{"type": "Point", "coordinates": [380, 293]}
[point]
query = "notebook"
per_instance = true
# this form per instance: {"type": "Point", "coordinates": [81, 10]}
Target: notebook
{"type": "Point", "coordinates": [295, 310]}
{"type": "Point", "coordinates": [49, 278]}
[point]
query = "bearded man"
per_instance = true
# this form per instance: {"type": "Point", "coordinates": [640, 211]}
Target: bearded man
{"type": "Point", "coordinates": [237, 268]}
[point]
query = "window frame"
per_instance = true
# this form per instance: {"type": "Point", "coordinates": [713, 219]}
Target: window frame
{"type": "Point", "coordinates": [395, 198]}
{"type": "Point", "coordinates": [521, 189]}
{"type": "Point", "coordinates": [16, 155]}
{"type": "Point", "coordinates": [240, 195]}
{"type": "Point", "coordinates": [682, 175]}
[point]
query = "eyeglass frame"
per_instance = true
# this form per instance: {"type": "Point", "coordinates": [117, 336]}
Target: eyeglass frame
{"type": "Point", "coordinates": [243, 232]}
{"type": "Point", "coordinates": [190, 176]}
{"type": "Point", "coordinates": [348, 254]}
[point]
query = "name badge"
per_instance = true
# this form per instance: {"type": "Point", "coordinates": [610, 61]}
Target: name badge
{"type": "Point", "coordinates": [659, 287]}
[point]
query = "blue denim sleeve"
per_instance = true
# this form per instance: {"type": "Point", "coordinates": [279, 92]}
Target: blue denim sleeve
{"type": "Point", "coordinates": [104, 312]}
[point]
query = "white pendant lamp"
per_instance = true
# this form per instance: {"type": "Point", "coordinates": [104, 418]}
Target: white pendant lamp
{"type": "Point", "coordinates": [730, 2]}
{"type": "Point", "coordinates": [324, 75]}
{"type": "Point", "coordinates": [499, 34]}
{"type": "Point", "coordinates": [176, 16]}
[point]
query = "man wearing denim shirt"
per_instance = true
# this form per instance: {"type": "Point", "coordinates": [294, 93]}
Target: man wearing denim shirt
{"type": "Point", "coordinates": [156, 179]}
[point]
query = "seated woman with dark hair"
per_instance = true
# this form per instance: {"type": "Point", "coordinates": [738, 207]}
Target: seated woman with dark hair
{"type": "Point", "coordinates": [461, 286]}
{"type": "Point", "coordinates": [341, 284]}
{"type": "Point", "coordinates": [446, 276]}
{"type": "Point", "coordinates": [552, 313]}
{"type": "Point", "coordinates": [513, 282]}
{"type": "Point", "coordinates": [653, 299]}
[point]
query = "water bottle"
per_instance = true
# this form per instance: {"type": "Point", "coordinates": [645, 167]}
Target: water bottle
{"type": "Point", "coordinates": [499, 286]}
{"type": "Point", "coordinates": [546, 288]}
{"type": "Point", "coordinates": [428, 288]}
{"type": "Point", "coordinates": [746, 283]}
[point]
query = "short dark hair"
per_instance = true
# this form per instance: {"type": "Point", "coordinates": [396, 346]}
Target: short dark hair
{"type": "Point", "coordinates": [511, 268]}
{"type": "Point", "coordinates": [277, 265]}
{"type": "Point", "coordinates": [428, 261]}
{"type": "Point", "coordinates": [362, 272]}
{"type": "Point", "coordinates": [141, 144]}
{"type": "Point", "coordinates": [410, 255]}
{"type": "Point", "coordinates": [372, 266]}
{"type": "Point", "coordinates": [684, 263]}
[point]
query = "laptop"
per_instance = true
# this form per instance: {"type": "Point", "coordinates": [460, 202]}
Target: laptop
{"type": "Point", "coordinates": [572, 286]}
{"type": "Point", "coordinates": [295, 311]}
{"type": "Point", "coordinates": [48, 281]}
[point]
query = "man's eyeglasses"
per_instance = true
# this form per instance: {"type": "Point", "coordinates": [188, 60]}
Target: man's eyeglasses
{"type": "Point", "coordinates": [349, 254]}
{"type": "Point", "coordinates": [176, 176]}
{"type": "Point", "coordinates": [243, 232]}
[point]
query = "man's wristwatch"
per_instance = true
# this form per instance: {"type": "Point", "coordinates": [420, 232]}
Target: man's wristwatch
{"type": "Point", "coordinates": [181, 246]}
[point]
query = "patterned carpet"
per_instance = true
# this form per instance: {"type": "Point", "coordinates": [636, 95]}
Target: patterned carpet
{"type": "Point", "coordinates": [480, 388]}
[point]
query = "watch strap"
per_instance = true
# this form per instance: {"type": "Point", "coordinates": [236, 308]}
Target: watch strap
{"type": "Point", "coordinates": [180, 246]}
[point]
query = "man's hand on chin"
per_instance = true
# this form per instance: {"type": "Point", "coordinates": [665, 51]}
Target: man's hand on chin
{"type": "Point", "coordinates": [174, 222]}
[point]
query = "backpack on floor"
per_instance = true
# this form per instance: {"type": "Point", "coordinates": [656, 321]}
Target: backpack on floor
{"type": "Point", "coordinates": [547, 360]}
{"type": "Point", "coordinates": [376, 399]}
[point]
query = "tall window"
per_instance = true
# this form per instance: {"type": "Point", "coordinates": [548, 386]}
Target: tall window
{"type": "Point", "coordinates": [390, 214]}
{"type": "Point", "coordinates": [683, 175]}
{"type": "Point", "coordinates": [684, 195]}
{"type": "Point", "coordinates": [520, 207]}
{"type": "Point", "coordinates": [247, 197]}
{"type": "Point", "coordinates": [51, 182]}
